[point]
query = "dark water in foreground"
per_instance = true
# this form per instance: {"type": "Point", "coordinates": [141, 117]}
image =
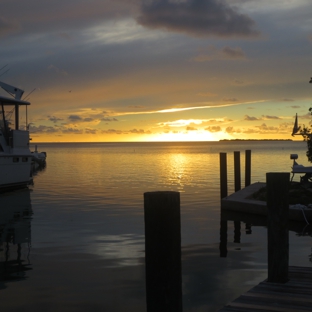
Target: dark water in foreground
{"type": "Point", "coordinates": [75, 240]}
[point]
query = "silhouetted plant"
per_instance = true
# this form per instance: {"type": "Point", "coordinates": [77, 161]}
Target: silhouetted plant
{"type": "Point", "coordinates": [306, 132]}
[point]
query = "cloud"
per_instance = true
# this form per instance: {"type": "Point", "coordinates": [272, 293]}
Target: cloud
{"type": "Point", "coordinates": [238, 82]}
{"type": "Point", "coordinates": [90, 131]}
{"type": "Point", "coordinates": [74, 118]}
{"type": "Point", "coordinates": [64, 35]}
{"type": "Point", "coordinates": [62, 16]}
{"type": "Point", "coordinates": [199, 18]}
{"type": "Point", "coordinates": [288, 100]}
{"type": "Point", "coordinates": [140, 131]}
{"type": "Point", "coordinates": [72, 131]}
{"type": "Point", "coordinates": [213, 129]}
{"type": "Point", "coordinates": [206, 94]}
{"type": "Point", "coordinates": [112, 131]}
{"type": "Point", "coordinates": [109, 119]}
{"type": "Point", "coordinates": [42, 129]}
{"type": "Point", "coordinates": [231, 130]}
{"type": "Point", "coordinates": [57, 70]}
{"type": "Point", "coordinates": [249, 118]}
{"type": "Point", "coordinates": [89, 116]}
{"type": "Point", "coordinates": [264, 117]}
{"type": "Point", "coordinates": [295, 106]}
{"type": "Point", "coordinates": [92, 118]}
{"type": "Point", "coordinates": [306, 116]}
{"type": "Point", "coordinates": [136, 106]}
{"type": "Point", "coordinates": [233, 53]}
{"type": "Point", "coordinates": [265, 128]}
{"type": "Point", "coordinates": [186, 107]}
{"type": "Point", "coordinates": [54, 119]}
{"type": "Point", "coordinates": [270, 117]}
{"type": "Point", "coordinates": [190, 128]}
{"type": "Point", "coordinates": [7, 26]}
{"type": "Point", "coordinates": [230, 100]}
{"type": "Point", "coordinates": [227, 53]}
{"type": "Point", "coordinates": [132, 131]}
{"type": "Point", "coordinates": [250, 131]}
{"type": "Point", "coordinates": [181, 123]}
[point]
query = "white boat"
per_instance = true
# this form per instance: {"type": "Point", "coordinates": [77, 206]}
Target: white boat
{"type": "Point", "coordinates": [39, 158]}
{"type": "Point", "coordinates": [15, 155]}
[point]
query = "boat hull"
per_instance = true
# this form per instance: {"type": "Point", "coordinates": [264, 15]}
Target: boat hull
{"type": "Point", "coordinates": [15, 170]}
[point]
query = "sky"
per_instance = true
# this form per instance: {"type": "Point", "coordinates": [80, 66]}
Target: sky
{"type": "Point", "coordinates": [159, 70]}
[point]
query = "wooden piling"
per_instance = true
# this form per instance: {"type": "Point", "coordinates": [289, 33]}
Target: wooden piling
{"type": "Point", "coordinates": [237, 171]}
{"type": "Point", "coordinates": [278, 216]}
{"type": "Point", "coordinates": [223, 193]}
{"type": "Point", "coordinates": [223, 176]}
{"type": "Point", "coordinates": [247, 167]}
{"type": "Point", "coordinates": [248, 179]}
{"type": "Point", "coordinates": [163, 251]}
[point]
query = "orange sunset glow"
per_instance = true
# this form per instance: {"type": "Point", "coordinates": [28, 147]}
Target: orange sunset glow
{"type": "Point", "coordinates": [134, 70]}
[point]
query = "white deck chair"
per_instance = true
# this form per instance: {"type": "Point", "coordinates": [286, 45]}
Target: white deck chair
{"type": "Point", "coordinates": [296, 168]}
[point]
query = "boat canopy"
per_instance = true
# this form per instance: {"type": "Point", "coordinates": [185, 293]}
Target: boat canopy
{"type": "Point", "coordinates": [5, 101]}
{"type": "Point", "coordinates": [11, 101]}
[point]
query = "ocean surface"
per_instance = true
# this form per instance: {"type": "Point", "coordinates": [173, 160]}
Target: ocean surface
{"type": "Point", "coordinates": [74, 240]}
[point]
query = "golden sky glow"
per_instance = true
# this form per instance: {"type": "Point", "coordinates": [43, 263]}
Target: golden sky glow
{"type": "Point", "coordinates": [136, 71]}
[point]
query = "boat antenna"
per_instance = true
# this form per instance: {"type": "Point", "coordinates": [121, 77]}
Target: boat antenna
{"type": "Point", "coordinates": [25, 98]}
{"type": "Point", "coordinates": [3, 68]}
{"type": "Point", "coordinates": [4, 72]}
{"type": "Point", "coordinates": [26, 118]}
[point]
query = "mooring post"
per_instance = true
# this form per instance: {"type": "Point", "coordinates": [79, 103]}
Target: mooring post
{"type": "Point", "coordinates": [247, 167]}
{"type": "Point", "coordinates": [248, 180]}
{"type": "Point", "coordinates": [223, 176]}
{"type": "Point", "coordinates": [237, 171]}
{"type": "Point", "coordinates": [278, 216]}
{"type": "Point", "coordinates": [163, 251]}
{"type": "Point", "coordinates": [237, 187]}
{"type": "Point", "coordinates": [223, 193]}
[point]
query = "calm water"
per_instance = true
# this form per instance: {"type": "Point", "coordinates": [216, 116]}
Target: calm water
{"type": "Point", "coordinates": [75, 240]}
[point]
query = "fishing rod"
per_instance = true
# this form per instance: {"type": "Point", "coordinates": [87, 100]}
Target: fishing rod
{"type": "Point", "coordinates": [25, 98]}
{"type": "Point", "coordinates": [3, 68]}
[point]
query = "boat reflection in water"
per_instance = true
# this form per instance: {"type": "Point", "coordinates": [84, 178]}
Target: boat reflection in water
{"type": "Point", "coordinates": [15, 235]}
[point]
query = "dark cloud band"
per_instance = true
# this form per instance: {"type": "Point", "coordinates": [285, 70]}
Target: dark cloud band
{"type": "Point", "coordinates": [199, 18]}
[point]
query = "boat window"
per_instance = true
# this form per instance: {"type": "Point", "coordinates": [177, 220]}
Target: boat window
{"type": "Point", "coordinates": [24, 159]}
{"type": "Point", "coordinates": [1, 148]}
{"type": "Point", "coordinates": [15, 159]}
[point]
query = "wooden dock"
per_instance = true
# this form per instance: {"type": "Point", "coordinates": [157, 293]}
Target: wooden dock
{"type": "Point", "coordinates": [293, 296]}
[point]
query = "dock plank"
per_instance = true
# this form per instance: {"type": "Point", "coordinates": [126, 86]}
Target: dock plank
{"type": "Point", "coordinates": [293, 296]}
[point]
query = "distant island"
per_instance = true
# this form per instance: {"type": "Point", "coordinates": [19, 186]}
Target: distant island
{"type": "Point", "coordinates": [256, 140]}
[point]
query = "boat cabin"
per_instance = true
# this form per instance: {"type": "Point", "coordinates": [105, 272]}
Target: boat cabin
{"type": "Point", "coordinates": [13, 138]}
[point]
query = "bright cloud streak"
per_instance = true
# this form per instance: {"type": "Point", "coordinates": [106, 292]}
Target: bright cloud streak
{"type": "Point", "coordinates": [182, 109]}
{"type": "Point", "coordinates": [182, 123]}
{"type": "Point", "coordinates": [174, 110]}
